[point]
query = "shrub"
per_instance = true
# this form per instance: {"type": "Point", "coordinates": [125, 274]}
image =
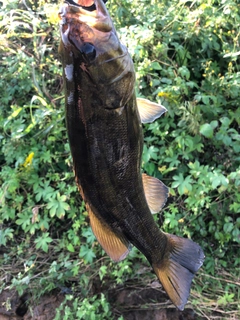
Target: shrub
{"type": "Point", "coordinates": [186, 57]}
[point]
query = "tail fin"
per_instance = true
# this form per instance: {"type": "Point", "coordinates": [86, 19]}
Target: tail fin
{"type": "Point", "coordinates": [181, 261]}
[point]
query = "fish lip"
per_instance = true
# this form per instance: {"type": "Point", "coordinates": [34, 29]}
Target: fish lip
{"type": "Point", "coordinates": [92, 7]}
{"type": "Point", "coordinates": [73, 3]}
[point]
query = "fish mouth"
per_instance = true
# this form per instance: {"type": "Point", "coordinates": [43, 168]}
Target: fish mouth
{"type": "Point", "coordinates": [84, 30]}
{"type": "Point", "coordinates": [85, 24]}
{"type": "Point", "coordinates": [88, 5]}
{"type": "Point", "coordinates": [91, 12]}
{"type": "Point", "coordinates": [89, 39]}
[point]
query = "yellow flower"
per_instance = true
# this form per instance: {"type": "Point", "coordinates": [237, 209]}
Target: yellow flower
{"type": "Point", "coordinates": [164, 94]}
{"type": "Point", "coordinates": [28, 161]}
{"type": "Point", "coordinates": [162, 169]}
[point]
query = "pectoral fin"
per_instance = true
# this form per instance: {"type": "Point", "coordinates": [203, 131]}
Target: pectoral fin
{"type": "Point", "coordinates": [156, 193]}
{"type": "Point", "coordinates": [149, 111]}
{"type": "Point", "coordinates": [115, 245]}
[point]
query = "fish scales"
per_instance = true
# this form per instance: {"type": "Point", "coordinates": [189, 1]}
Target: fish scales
{"type": "Point", "coordinates": [107, 178]}
{"type": "Point", "coordinates": [105, 134]}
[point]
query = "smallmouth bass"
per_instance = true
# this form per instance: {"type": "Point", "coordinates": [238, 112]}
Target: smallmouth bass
{"type": "Point", "coordinates": [104, 123]}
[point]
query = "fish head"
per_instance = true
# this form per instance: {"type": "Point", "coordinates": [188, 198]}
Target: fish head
{"type": "Point", "coordinates": [89, 40]}
{"type": "Point", "coordinates": [89, 35]}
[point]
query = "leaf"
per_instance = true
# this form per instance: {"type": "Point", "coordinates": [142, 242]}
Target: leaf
{"type": "Point", "coordinates": [186, 186]}
{"type": "Point", "coordinates": [102, 272]}
{"type": "Point", "coordinates": [166, 80]}
{"type": "Point", "coordinates": [225, 121]}
{"type": "Point", "coordinates": [178, 180]}
{"type": "Point", "coordinates": [70, 247]}
{"type": "Point", "coordinates": [58, 206]}
{"type": "Point", "coordinates": [87, 254]}
{"type": "Point", "coordinates": [155, 66]}
{"type": "Point", "coordinates": [214, 124]}
{"type": "Point", "coordinates": [5, 234]}
{"type": "Point", "coordinates": [44, 193]}
{"type": "Point", "coordinates": [216, 182]}
{"type": "Point", "coordinates": [23, 220]}
{"type": "Point", "coordinates": [88, 234]}
{"type": "Point", "coordinates": [42, 242]}
{"type": "Point", "coordinates": [206, 130]}
{"type": "Point", "coordinates": [184, 72]}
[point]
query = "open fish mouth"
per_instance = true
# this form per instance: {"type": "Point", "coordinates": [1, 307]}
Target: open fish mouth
{"type": "Point", "coordinates": [90, 36]}
{"type": "Point", "coordinates": [88, 5]}
{"type": "Point", "coordinates": [81, 24]}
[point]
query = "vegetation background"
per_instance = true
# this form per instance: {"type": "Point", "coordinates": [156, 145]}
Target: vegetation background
{"type": "Point", "coordinates": [186, 55]}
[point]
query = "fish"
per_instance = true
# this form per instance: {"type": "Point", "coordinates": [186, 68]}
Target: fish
{"type": "Point", "coordinates": [104, 125]}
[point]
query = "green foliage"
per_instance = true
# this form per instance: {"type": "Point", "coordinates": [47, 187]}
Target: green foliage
{"type": "Point", "coordinates": [5, 235]}
{"type": "Point", "coordinates": [95, 308]}
{"type": "Point", "coordinates": [42, 241]}
{"type": "Point", "coordinates": [186, 55]}
{"type": "Point", "coordinates": [187, 60]}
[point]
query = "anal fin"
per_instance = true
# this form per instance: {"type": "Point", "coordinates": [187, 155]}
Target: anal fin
{"type": "Point", "coordinates": [115, 245]}
{"type": "Point", "coordinates": [156, 193]}
{"type": "Point", "coordinates": [149, 111]}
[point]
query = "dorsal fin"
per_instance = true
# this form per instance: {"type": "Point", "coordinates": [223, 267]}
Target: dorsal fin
{"type": "Point", "coordinates": [115, 245]}
{"type": "Point", "coordinates": [156, 193]}
{"type": "Point", "coordinates": [149, 111]}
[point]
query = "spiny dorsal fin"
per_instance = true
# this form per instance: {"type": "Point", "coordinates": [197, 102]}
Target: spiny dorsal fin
{"type": "Point", "coordinates": [149, 111]}
{"type": "Point", "coordinates": [115, 245]}
{"type": "Point", "coordinates": [156, 193]}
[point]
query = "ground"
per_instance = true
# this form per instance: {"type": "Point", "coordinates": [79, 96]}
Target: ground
{"type": "Point", "coordinates": [131, 302]}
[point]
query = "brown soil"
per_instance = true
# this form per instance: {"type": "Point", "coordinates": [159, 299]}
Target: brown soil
{"type": "Point", "coordinates": [13, 307]}
{"type": "Point", "coordinates": [131, 303]}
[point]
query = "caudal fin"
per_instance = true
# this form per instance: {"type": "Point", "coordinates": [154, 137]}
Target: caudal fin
{"type": "Point", "coordinates": [181, 261]}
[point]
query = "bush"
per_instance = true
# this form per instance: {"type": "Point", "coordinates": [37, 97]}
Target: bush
{"type": "Point", "coordinates": [186, 57]}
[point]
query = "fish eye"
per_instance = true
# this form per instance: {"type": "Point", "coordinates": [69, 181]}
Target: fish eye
{"type": "Point", "coordinates": [89, 51]}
